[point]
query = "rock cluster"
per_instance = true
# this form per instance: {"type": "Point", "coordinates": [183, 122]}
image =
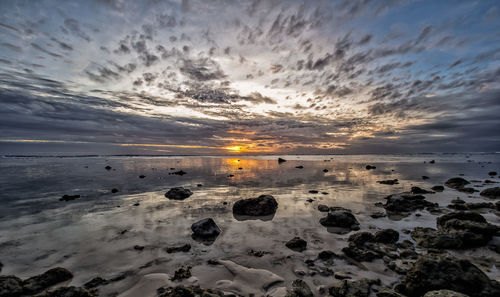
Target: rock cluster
{"type": "Point", "coordinates": [445, 272]}
{"type": "Point", "coordinates": [457, 230]}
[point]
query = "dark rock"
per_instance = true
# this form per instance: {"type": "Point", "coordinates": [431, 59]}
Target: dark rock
{"type": "Point", "coordinates": [69, 292]}
{"type": "Point", "coordinates": [471, 226]}
{"type": "Point", "coordinates": [459, 184]}
{"type": "Point", "coordinates": [359, 288]}
{"type": "Point", "coordinates": [472, 205]}
{"type": "Point", "coordinates": [387, 236]}
{"type": "Point", "coordinates": [142, 176]}
{"type": "Point", "coordinates": [261, 206]}
{"type": "Point", "coordinates": [95, 282]}
{"type": "Point", "coordinates": [205, 228]}
{"type": "Point", "coordinates": [340, 217]}
{"type": "Point", "coordinates": [182, 248]}
{"type": "Point", "coordinates": [492, 173]}
{"type": "Point", "coordinates": [297, 244]}
{"type": "Point", "coordinates": [369, 167]}
{"type": "Point", "coordinates": [180, 172]}
{"type": "Point", "coordinates": [405, 202]}
{"type": "Point", "coordinates": [69, 197]}
{"type": "Point", "coordinates": [492, 193]}
{"type": "Point", "coordinates": [432, 161]}
{"type": "Point", "coordinates": [325, 170]}
{"type": "Point", "coordinates": [417, 190]}
{"type": "Point", "coordinates": [389, 182]}
{"type": "Point", "coordinates": [341, 276]}
{"type": "Point", "coordinates": [456, 182]}
{"type": "Point", "coordinates": [364, 246]}
{"type": "Point", "coordinates": [199, 185]}
{"type": "Point", "coordinates": [192, 291]}
{"type": "Point", "coordinates": [36, 284]}
{"type": "Point", "coordinates": [138, 247]}
{"type": "Point", "coordinates": [10, 286]}
{"type": "Point", "coordinates": [432, 238]}
{"type": "Point", "coordinates": [323, 208]}
{"type": "Point", "coordinates": [313, 192]}
{"type": "Point", "coordinates": [181, 273]}
{"type": "Point", "coordinates": [281, 160]}
{"type": "Point", "coordinates": [300, 289]}
{"type": "Point", "coordinates": [107, 167]}
{"type": "Point", "coordinates": [424, 177]}
{"type": "Point", "coordinates": [438, 188]}
{"type": "Point", "coordinates": [299, 167]}
{"type": "Point", "coordinates": [178, 193]}
{"type": "Point", "coordinates": [258, 253]}
{"type": "Point", "coordinates": [326, 255]}
{"type": "Point", "coordinates": [443, 271]}
{"type": "Point", "coordinates": [457, 230]}
{"type": "Point", "coordinates": [114, 190]}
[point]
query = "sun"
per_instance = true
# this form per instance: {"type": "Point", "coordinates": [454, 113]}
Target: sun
{"type": "Point", "coordinates": [235, 148]}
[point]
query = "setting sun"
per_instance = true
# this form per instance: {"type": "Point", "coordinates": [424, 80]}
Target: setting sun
{"type": "Point", "coordinates": [235, 149]}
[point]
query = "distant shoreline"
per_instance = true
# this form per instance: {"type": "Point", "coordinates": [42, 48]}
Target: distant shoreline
{"type": "Point", "coordinates": [242, 155]}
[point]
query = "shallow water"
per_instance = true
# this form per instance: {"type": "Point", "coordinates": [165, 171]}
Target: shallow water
{"type": "Point", "coordinates": [87, 235]}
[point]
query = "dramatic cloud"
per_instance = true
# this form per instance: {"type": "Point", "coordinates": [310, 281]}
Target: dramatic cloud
{"type": "Point", "coordinates": [215, 77]}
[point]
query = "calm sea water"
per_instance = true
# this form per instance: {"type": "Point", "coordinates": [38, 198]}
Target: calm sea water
{"type": "Point", "coordinates": [87, 235]}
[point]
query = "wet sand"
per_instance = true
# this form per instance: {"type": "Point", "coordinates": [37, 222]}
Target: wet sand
{"type": "Point", "coordinates": [95, 234]}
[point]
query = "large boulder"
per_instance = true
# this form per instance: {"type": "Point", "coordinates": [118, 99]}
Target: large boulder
{"type": "Point", "coordinates": [206, 228]}
{"type": "Point", "coordinates": [364, 246]}
{"type": "Point", "coordinates": [456, 230]}
{"type": "Point", "coordinates": [263, 205]}
{"type": "Point", "coordinates": [10, 286]}
{"type": "Point", "coordinates": [432, 238]}
{"type": "Point", "coordinates": [459, 184]}
{"type": "Point", "coordinates": [407, 202]}
{"type": "Point", "coordinates": [492, 193]}
{"type": "Point", "coordinates": [36, 284]}
{"type": "Point", "coordinates": [297, 244]}
{"type": "Point", "coordinates": [178, 193]}
{"type": "Point", "coordinates": [443, 271]}
{"type": "Point", "coordinates": [456, 183]}
{"type": "Point", "coordinates": [340, 217]}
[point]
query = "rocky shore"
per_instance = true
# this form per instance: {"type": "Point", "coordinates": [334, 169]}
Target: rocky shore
{"type": "Point", "coordinates": [427, 259]}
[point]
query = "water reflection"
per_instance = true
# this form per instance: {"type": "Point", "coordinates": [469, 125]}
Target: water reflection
{"type": "Point", "coordinates": [85, 235]}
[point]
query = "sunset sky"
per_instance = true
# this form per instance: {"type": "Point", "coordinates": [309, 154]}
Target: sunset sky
{"type": "Point", "coordinates": [249, 77]}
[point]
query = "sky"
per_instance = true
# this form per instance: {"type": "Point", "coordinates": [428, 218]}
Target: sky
{"type": "Point", "coordinates": [249, 77]}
